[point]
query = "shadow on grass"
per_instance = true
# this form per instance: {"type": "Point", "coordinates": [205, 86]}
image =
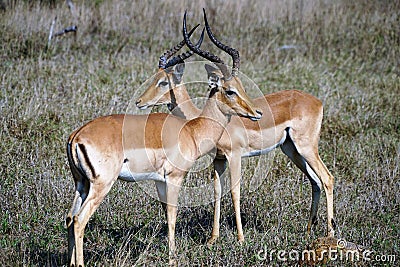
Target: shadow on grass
{"type": "Point", "coordinates": [120, 240]}
{"type": "Point", "coordinates": [94, 253]}
{"type": "Point", "coordinates": [38, 257]}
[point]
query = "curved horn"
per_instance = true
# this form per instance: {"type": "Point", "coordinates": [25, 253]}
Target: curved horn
{"type": "Point", "coordinates": [205, 54]}
{"type": "Point", "coordinates": [180, 58]}
{"type": "Point", "coordinates": [231, 51]}
{"type": "Point", "coordinates": [162, 64]}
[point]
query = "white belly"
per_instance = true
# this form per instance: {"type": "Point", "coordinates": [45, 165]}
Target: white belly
{"type": "Point", "coordinates": [264, 150]}
{"type": "Point", "coordinates": [129, 176]}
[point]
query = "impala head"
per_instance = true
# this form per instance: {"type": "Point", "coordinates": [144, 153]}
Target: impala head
{"type": "Point", "coordinates": [168, 77]}
{"type": "Point", "coordinates": [231, 92]}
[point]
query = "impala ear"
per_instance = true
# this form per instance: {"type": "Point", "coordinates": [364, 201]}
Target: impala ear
{"type": "Point", "coordinates": [214, 76]}
{"type": "Point", "coordinates": [178, 72]}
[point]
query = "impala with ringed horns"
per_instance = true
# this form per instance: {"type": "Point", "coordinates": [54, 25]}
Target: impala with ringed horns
{"type": "Point", "coordinates": [292, 121]}
{"type": "Point", "coordinates": [158, 146]}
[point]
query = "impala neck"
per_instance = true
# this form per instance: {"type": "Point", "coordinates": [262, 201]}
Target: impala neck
{"type": "Point", "coordinates": [181, 104]}
{"type": "Point", "coordinates": [208, 128]}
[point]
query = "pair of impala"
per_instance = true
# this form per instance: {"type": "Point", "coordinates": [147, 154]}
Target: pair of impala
{"type": "Point", "coordinates": [164, 147]}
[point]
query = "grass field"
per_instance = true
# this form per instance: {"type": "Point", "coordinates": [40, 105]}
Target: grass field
{"type": "Point", "coordinates": [346, 54]}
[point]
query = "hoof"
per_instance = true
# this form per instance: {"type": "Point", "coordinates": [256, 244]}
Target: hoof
{"type": "Point", "coordinates": [173, 262]}
{"type": "Point", "coordinates": [211, 241]}
{"type": "Point", "coordinates": [311, 224]}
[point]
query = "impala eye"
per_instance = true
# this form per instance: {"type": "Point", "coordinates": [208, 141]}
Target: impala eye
{"type": "Point", "coordinates": [163, 84]}
{"type": "Point", "coordinates": [230, 92]}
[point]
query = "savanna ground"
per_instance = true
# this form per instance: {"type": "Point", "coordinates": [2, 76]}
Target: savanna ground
{"type": "Point", "coordinates": [346, 54]}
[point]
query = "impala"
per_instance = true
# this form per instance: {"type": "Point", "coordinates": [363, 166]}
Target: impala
{"type": "Point", "coordinates": [157, 147]}
{"type": "Point", "coordinates": [292, 121]}
{"type": "Point", "coordinates": [79, 168]}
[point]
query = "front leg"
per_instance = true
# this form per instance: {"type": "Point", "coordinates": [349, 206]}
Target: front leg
{"type": "Point", "coordinates": [235, 166]}
{"type": "Point", "coordinates": [173, 187]}
{"type": "Point", "coordinates": [219, 170]}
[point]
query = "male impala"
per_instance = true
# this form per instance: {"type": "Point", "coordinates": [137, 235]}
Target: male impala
{"type": "Point", "coordinates": [157, 147]}
{"type": "Point", "coordinates": [292, 120]}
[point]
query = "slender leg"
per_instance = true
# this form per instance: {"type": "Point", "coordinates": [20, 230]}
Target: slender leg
{"type": "Point", "coordinates": [290, 150]}
{"type": "Point", "coordinates": [173, 187]}
{"type": "Point", "coordinates": [316, 196]}
{"type": "Point", "coordinates": [96, 195]}
{"type": "Point", "coordinates": [82, 190]}
{"type": "Point", "coordinates": [310, 163]}
{"type": "Point", "coordinates": [328, 182]}
{"type": "Point", "coordinates": [70, 226]}
{"type": "Point", "coordinates": [162, 196]}
{"type": "Point", "coordinates": [219, 170]}
{"type": "Point", "coordinates": [235, 167]}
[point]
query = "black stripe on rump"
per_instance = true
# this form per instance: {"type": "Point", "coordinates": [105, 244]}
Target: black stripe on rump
{"type": "Point", "coordinates": [86, 156]}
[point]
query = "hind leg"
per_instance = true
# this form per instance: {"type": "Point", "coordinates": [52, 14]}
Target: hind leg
{"type": "Point", "coordinates": [290, 150]}
{"type": "Point", "coordinates": [97, 192]}
{"type": "Point", "coordinates": [327, 179]}
{"type": "Point", "coordinates": [306, 157]}
{"type": "Point", "coordinates": [81, 193]}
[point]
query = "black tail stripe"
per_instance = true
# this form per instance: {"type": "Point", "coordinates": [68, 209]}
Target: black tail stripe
{"type": "Point", "coordinates": [86, 156]}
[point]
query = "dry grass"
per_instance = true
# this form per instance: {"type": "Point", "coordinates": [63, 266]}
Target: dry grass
{"type": "Point", "coordinates": [347, 54]}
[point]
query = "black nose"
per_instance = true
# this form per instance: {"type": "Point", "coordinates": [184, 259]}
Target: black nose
{"type": "Point", "coordinates": [138, 101]}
